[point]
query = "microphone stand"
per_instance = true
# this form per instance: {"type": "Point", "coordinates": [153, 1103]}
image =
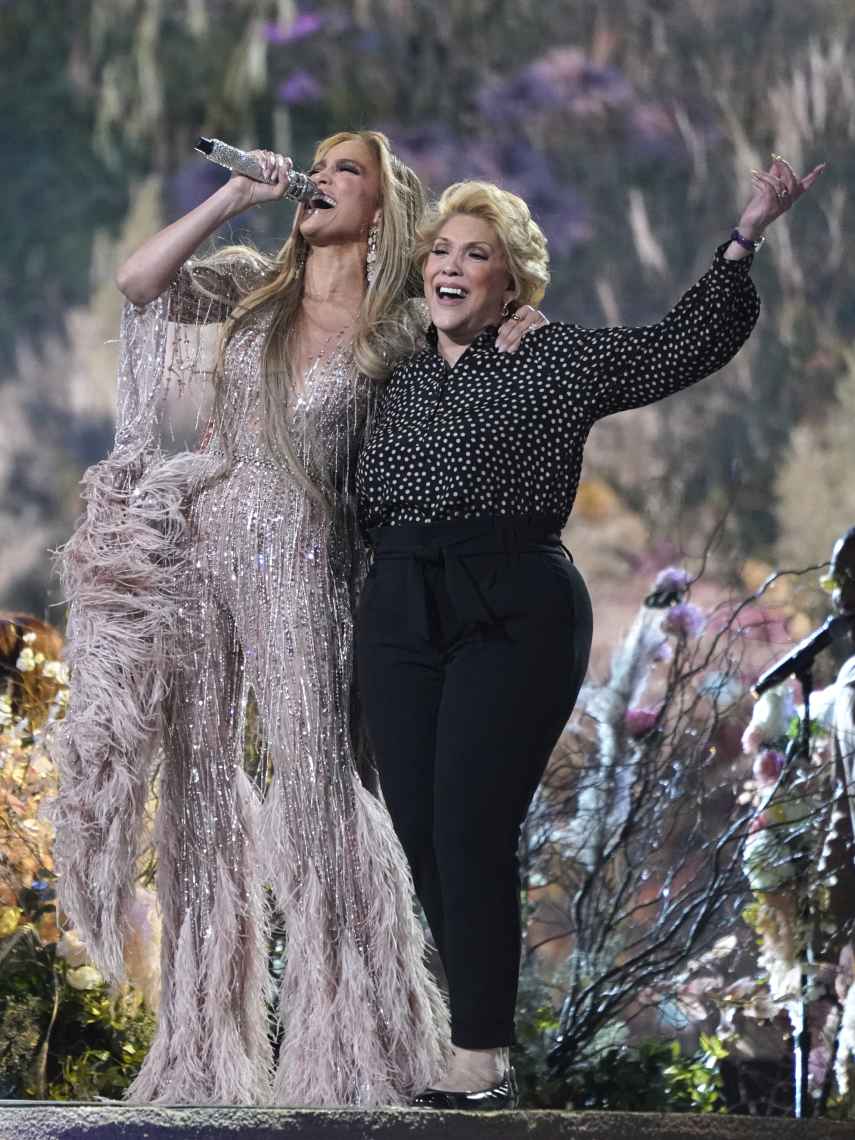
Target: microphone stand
{"type": "Point", "coordinates": [800, 749]}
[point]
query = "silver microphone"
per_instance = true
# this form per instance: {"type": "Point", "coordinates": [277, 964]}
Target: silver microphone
{"type": "Point", "coordinates": [300, 186]}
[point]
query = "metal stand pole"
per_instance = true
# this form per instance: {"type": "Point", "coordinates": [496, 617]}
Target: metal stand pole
{"type": "Point", "coordinates": [801, 1030]}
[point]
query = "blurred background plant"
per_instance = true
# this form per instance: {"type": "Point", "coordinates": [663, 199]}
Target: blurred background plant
{"type": "Point", "coordinates": [663, 841]}
{"type": "Point", "coordinates": [651, 831]}
{"type": "Point", "coordinates": [63, 1035]}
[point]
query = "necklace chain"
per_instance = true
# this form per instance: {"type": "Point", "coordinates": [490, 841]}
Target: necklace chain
{"type": "Point", "coordinates": [334, 337]}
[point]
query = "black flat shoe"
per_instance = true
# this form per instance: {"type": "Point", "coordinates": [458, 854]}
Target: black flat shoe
{"type": "Point", "coordinates": [501, 1096]}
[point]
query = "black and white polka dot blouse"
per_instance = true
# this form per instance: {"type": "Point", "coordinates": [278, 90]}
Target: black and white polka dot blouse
{"type": "Point", "coordinates": [503, 434]}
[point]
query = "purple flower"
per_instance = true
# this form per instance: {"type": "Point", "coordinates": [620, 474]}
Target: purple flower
{"type": "Point", "coordinates": [564, 80]}
{"type": "Point", "coordinates": [299, 87]}
{"type": "Point", "coordinates": [683, 620]}
{"type": "Point", "coordinates": [669, 587]}
{"type": "Point", "coordinates": [438, 157]}
{"type": "Point", "coordinates": [661, 653]}
{"type": "Point", "coordinates": [673, 579]}
{"type": "Point", "coordinates": [640, 721]}
{"type": "Point", "coordinates": [306, 24]}
{"type": "Point", "coordinates": [768, 767]}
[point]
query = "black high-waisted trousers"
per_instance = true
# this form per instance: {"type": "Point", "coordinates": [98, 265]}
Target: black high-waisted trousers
{"type": "Point", "coordinates": [472, 643]}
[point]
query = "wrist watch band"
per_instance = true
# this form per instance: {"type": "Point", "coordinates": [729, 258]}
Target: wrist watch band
{"type": "Point", "coordinates": [747, 243]}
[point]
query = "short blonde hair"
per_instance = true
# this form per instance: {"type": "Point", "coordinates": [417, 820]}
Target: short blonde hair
{"type": "Point", "coordinates": [521, 238]}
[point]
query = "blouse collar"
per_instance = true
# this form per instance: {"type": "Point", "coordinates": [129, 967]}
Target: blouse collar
{"type": "Point", "coordinates": [486, 338]}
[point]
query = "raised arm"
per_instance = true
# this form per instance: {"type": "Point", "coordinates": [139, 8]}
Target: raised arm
{"type": "Point", "coordinates": [708, 326]}
{"type": "Point", "coordinates": [704, 330]}
{"type": "Point", "coordinates": [151, 268]}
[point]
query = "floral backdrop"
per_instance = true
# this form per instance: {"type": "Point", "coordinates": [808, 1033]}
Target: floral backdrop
{"type": "Point", "coordinates": [676, 949]}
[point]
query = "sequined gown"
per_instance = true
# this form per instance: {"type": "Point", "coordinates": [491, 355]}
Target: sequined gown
{"type": "Point", "coordinates": [205, 585]}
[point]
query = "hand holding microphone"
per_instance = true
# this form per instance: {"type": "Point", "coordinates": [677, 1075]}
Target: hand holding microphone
{"type": "Point", "coordinates": [271, 176]}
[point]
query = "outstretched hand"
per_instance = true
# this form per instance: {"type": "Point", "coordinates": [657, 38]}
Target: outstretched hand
{"type": "Point", "coordinates": [775, 191]}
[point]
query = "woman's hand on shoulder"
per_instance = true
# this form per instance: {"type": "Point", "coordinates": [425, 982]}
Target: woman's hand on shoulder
{"type": "Point", "coordinates": [277, 169]}
{"type": "Point", "coordinates": [517, 325]}
{"type": "Point", "coordinates": [775, 192]}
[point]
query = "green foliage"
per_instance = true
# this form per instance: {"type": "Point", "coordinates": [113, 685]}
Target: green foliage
{"type": "Point", "coordinates": [694, 1083]}
{"type": "Point", "coordinates": [654, 1076]}
{"type": "Point", "coordinates": [20, 1033]}
{"type": "Point", "coordinates": [59, 1042]}
{"type": "Point", "coordinates": [536, 1026]}
{"type": "Point", "coordinates": [113, 1036]}
{"type": "Point", "coordinates": [794, 729]}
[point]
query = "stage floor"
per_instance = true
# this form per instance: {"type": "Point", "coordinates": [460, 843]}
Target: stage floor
{"type": "Point", "coordinates": [29, 1120]}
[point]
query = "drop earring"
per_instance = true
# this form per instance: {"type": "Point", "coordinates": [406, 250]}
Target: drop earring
{"type": "Point", "coordinates": [371, 256]}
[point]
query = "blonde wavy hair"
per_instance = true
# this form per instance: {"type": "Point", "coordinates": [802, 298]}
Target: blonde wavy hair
{"type": "Point", "coordinates": [387, 326]}
{"type": "Point", "coordinates": [520, 237]}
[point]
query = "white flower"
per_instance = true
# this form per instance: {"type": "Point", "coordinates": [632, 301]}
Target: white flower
{"type": "Point", "coordinates": [766, 861]}
{"type": "Point", "coordinates": [723, 946]}
{"type": "Point", "coordinates": [822, 706]}
{"type": "Point", "coordinates": [84, 978]}
{"type": "Point", "coordinates": [57, 671]}
{"type": "Point", "coordinates": [770, 718]}
{"type": "Point", "coordinates": [846, 1042]}
{"type": "Point", "coordinates": [73, 951]}
{"type": "Point", "coordinates": [5, 709]}
{"type": "Point", "coordinates": [26, 661]}
{"type": "Point", "coordinates": [29, 638]}
{"type": "Point", "coordinates": [142, 946]}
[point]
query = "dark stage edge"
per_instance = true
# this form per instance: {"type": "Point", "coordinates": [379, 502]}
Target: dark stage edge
{"type": "Point", "coordinates": [51, 1121]}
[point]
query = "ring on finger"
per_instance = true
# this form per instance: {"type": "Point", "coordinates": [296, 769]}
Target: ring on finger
{"type": "Point", "coordinates": [516, 317]}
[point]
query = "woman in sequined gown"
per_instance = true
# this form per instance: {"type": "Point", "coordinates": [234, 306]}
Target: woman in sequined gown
{"type": "Point", "coordinates": [219, 579]}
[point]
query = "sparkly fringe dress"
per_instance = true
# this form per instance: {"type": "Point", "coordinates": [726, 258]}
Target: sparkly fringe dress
{"type": "Point", "coordinates": [204, 585]}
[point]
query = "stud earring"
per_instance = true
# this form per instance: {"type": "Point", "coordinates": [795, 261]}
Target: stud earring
{"type": "Point", "coordinates": [371, 257]}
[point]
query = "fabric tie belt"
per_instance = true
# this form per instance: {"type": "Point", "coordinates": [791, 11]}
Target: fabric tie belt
{"type": "Point", "coordinates": [449, 546]}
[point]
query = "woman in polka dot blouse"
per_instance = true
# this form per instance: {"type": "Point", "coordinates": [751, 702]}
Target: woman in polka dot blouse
{"type": "Point", "coordinates": [474, 627]}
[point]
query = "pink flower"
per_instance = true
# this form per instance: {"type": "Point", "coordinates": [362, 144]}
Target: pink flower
{"type": "Point", "coordinates": [640, 721]}
{"type": "Point", "coordinates": [758, 823]}
{"type": "Point", "coordinates": [768, 767]}
{"type": "Point", "coordinates": [683, 620]}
